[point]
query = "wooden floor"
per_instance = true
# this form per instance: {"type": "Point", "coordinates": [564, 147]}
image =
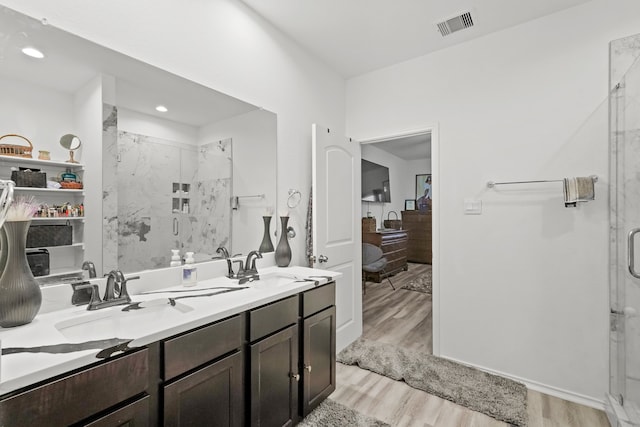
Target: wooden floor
{"type": "Point", "coordinates": [403, 318]}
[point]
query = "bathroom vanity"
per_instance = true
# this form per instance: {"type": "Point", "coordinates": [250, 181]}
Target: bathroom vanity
{"type": "Point", "coordinates": [260, 355]}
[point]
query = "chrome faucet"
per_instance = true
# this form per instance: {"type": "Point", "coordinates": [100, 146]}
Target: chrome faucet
{"type": "Point", "coordinates": [251, 260]}
{"type": "Point", "coordinates": [115, 284]}
{"type": "Point", "coordinates": [225, 253]}
{"type": "Point", "coordinates": [115, 293]}
{"type": "Point", "coordinates": [90, 266]}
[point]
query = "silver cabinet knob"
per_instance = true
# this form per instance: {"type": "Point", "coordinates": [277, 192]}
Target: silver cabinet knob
{"type": "Point", "coordinates": [322, 259]}
{"type": "Point", "coordinates": [308, 368]}
{"type": "Point", "coordinates": [295, 376]}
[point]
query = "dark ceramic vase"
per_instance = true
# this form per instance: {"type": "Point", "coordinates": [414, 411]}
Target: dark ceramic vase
{"type": "Point", "coordinates": [20, 296]}
{"type": "Point", "coordinates": [266, 245]}
{"type": "Point", "coordinates": [283, 250]}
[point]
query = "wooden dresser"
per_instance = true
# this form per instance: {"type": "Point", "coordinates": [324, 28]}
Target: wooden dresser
{"type": "Point", "coordinates": [418, 226]}
{"type": "Point", "coordinates": [394, 248]}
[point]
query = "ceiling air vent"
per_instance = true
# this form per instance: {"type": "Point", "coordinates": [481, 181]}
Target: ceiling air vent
{"type": "Point", "coordinates": [455, 24]}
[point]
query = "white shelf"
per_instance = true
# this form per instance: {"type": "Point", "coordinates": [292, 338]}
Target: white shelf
{"type": "Point", "coordinates": [48, 190]}
{"type": "Point", "coordinates": [57, 218]}
{"type": "Point", "coordinates": [42, 163]}
{"type": "Point", "coordinates": [73, 245]}
{"type": "Point", "coordinates": [60, 272]}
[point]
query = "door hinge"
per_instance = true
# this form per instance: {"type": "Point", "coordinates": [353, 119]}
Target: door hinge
{"type": "Point", "coordinates": [616, 321]}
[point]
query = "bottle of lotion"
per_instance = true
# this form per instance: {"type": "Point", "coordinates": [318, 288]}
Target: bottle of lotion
{"type": "Point", "coordinates": [189, 271]}
{"type": "Point", "coordinates": [175, 258]}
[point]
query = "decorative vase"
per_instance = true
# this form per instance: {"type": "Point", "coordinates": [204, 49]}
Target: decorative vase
{"type": "Point", "coordinates": [283, 250]}
{"type": "Point", "coordinates": [20, 296]}
{"type": "Point", "coordinates": [266, 245]}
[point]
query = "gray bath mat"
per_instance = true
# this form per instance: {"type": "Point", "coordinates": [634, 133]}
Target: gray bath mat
{"type": "Point", "coordinates": [333, 414]}
{"type": "Point", "coordinates": [422, 283]}
{"type": "Point", "coordinates": [495, 396]}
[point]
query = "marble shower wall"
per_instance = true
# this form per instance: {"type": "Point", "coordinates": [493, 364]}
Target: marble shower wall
{"type": "Point", "coordinates": [625, 207]}
{"type": "Point", "coordinates": [144, 216]}
{"type": "Point", "coordinates": [109, 188]}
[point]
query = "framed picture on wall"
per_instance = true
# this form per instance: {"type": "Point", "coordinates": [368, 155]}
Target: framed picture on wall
{"type": "Point", "coordinates": [409, 205]}
{"type": "Point", "coordinates": [423, 191]}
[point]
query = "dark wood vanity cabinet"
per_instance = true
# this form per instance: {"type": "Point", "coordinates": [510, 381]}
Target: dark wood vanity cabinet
{"type": "Point", "coordinates": [211, 396]}
{"type": "Point", "coordinates": [318, 347]}
{"type": "Point", "coordinates": [268, 366]}
{"type": "Point", "coordinates": [274, 379]}
{"type": "Point", "coordinates": [134, 414]}
{"type": "Point", "coordinates": [274, 363]}
{"type": "Point", "coordinates": [203, 376]}
{"type": "Point", "coordinates": [293, 359]}
{"type": "Point", "coordinates": [94, 393]}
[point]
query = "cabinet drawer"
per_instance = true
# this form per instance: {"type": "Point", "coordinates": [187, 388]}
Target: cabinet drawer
{"type": "Point", "coordinates": [393, 246]}
{"type": "Point", "coordinates": [396, 264]}
{"type": "Point", "coordinates": [273, 317]}
{"type": "Point", "coordinates": [319, 298]}
{"type": "Point", "coordinates": [73, 398]}
{"type": "Point", "coordinates": [135, 414]}
{"type": "Point", "coordinates": [211, 396]}
{"type": "Point", "coordinates": [197, 347]}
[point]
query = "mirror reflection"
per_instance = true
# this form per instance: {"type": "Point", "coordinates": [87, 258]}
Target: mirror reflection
{"type": "Point", "coordinates": [163, 157]}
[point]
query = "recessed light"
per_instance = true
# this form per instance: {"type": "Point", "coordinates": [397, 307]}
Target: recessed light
{"type": "Point", "coordinates": [33, 52]}
{"type": "Point", "coordinates": [161, 108]}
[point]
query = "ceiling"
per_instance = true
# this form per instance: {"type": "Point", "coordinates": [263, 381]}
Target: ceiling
{"type": "Point", "coordinates": [410, 147]}
{"type": "Point", "coordinates": [354, 37]}
{"type": "Point", "coordinates": [70, 62]}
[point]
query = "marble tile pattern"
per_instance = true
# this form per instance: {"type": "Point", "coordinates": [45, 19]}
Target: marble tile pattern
{"type": "Point", "coordinates": [109, 186]}
{"type": "Point", "coordinates": [147, 169]}
{"type": "Point", "coordinates": [624, 211]}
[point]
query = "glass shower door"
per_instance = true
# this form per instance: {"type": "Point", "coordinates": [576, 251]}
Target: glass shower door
{"type": "Point", "coordinates": [623, 403]}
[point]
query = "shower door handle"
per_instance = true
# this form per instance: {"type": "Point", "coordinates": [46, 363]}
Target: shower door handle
{"type": "Point", "coordinates": [631, 253]}
{"type": "Point", "coordinates": [176, 227]}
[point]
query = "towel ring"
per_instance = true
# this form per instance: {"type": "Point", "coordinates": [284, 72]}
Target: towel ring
{"type": "Point", "coordinates": [294, 198]}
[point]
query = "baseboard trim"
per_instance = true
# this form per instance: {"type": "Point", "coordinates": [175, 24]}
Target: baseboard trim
{"type": "Point", "coordinates": [542, 388]}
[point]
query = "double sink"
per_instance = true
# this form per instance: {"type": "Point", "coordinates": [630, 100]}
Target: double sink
{"type": "Point", "coordinates": [156, 310]}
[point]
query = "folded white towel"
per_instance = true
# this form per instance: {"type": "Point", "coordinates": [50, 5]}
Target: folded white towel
{"type": "Point", "coordinates": [578, 189]}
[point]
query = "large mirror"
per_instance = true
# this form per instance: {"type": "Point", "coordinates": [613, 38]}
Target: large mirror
{"type": "Point", "coordinates": [168, 163]}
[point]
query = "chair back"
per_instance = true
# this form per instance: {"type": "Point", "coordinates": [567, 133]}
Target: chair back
{"type": "Point", "coordinates": [370, 253]}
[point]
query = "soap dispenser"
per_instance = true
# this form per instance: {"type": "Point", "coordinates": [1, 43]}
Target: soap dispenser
{"type": "Point", "coordinates": [189, 270]}
{"type": "Point", "coordinates": [175, 258]}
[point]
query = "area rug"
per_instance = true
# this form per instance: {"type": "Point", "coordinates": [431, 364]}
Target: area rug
{"type": "Point", "coordinates": [421, 283]}
{"type": "Point", "coordinates": [333, 414]}
{"type": "Point", "coordinates": [495, 396]}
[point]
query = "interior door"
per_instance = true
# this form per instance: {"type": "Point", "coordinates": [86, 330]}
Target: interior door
{"type": "Point", "coordinates": [336, 231]}
{"type": "Point", "coordinates": [625, 246]}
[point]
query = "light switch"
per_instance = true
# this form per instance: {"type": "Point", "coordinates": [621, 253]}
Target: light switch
{"type": "Point", "coordinates": [472, 207]}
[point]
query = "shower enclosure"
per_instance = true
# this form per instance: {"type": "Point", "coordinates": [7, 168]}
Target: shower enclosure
{"type": "Point", "coordinates": [623, 401]}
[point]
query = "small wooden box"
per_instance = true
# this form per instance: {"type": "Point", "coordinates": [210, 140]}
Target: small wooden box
{"type": "Point", "coordinates": [368, 225]}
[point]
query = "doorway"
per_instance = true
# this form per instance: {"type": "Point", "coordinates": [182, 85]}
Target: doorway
{"type": "Point", "coordinates": [400, 313]}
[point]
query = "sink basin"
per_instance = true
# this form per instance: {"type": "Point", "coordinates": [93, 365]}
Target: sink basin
{"type": "Point", "coordinates": [115, 323]}
{"type": "Point", "coordinates": [274, 280]}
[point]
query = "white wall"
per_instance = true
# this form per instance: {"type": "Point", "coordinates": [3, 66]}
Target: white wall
{"type": "Point", "coordinates": [243, 57]}
{"type": "Point", "coordinates": [145, 124]}
{"type": "Point", "coordinates": [40, 114]}
{"type": "Point", "coordinates": [253, 147]}
{"type": "Point", "coordinates": [522, 288]}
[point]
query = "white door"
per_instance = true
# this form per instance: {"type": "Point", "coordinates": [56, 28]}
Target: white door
{"type": "Point", "coordinates": [336, 225]}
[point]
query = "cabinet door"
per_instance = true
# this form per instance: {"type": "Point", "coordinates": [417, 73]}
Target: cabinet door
{"type": "Point", "coordinates": [274, 379]}
{"type": "Point", "coordinates": [319, 358]}
{"type": "Point", "coordinates": [135, 414]}
{"type": "Point", "coordinates": [211, 396]}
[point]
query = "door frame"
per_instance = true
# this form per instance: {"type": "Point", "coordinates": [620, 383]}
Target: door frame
{"type": "Point", "coordinates": [435, 215]}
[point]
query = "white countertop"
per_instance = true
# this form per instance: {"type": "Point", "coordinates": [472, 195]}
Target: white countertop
{"type": "Point", "coordinates": [157, 321]}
